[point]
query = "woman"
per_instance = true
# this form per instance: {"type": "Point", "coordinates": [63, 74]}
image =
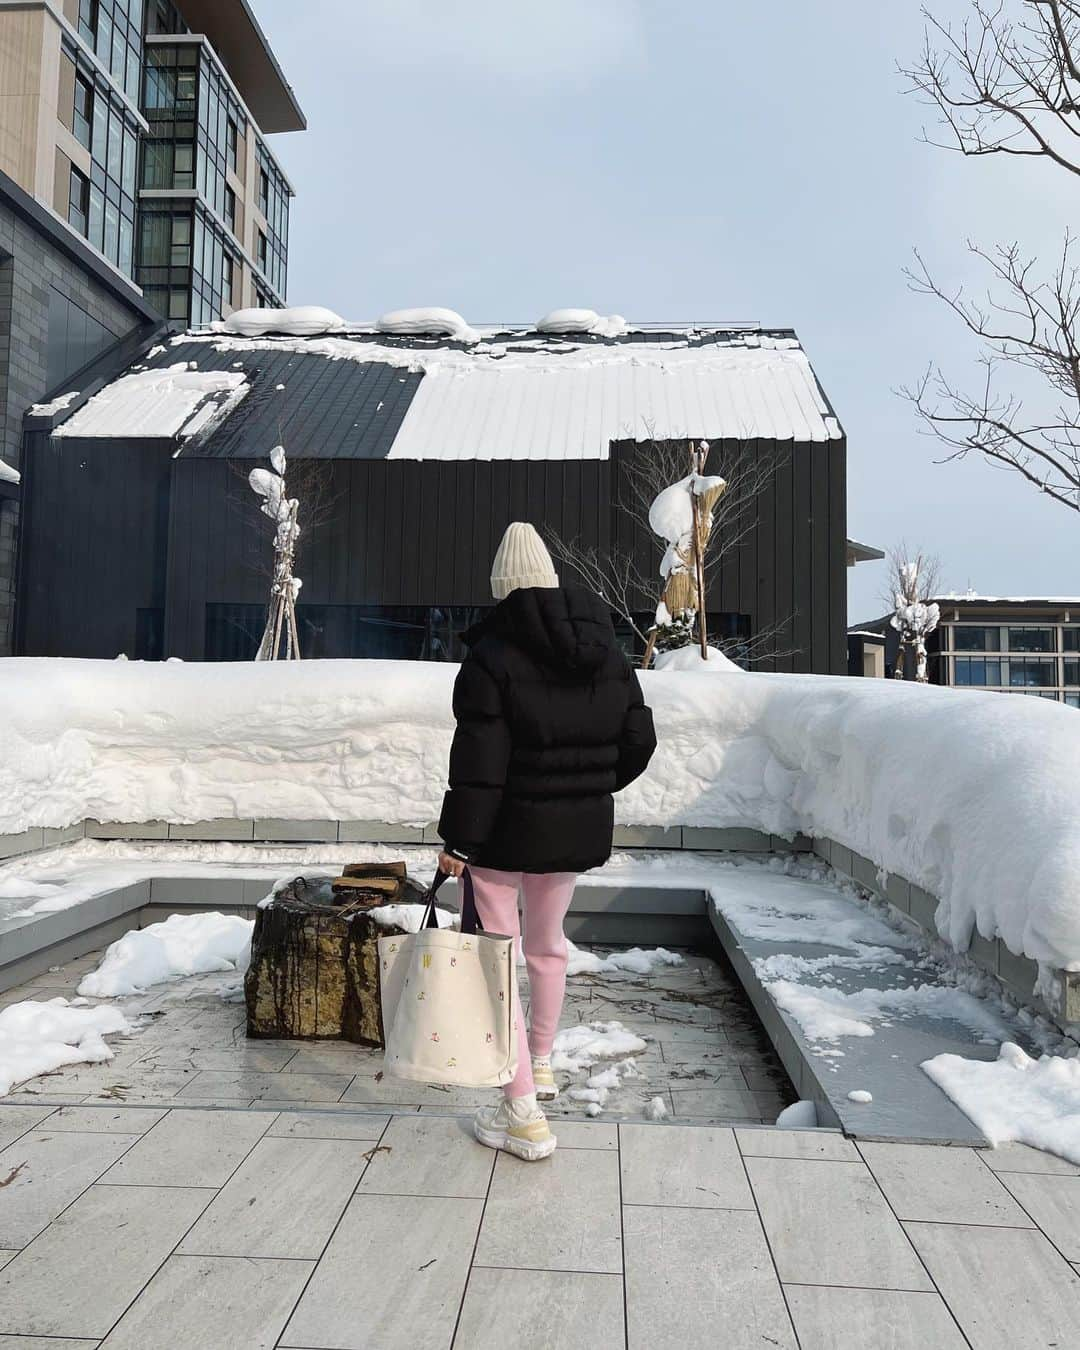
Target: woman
{"type": "Point", "coordinates": [550, 722]}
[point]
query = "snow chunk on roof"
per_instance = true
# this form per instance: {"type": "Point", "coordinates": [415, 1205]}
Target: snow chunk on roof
{"type": "Point", "coordinates": [56, 405]}
{"type": "Point", "coordinates": [582, 321]}
{"type": "Point", "coordinates": [440, 322]}
{"type": "Point", "coordinates": [300, 321]}
{"type": "Point", "coordinates": [173, 401]}
{"type": "Point", "coordinates": [8, 473]}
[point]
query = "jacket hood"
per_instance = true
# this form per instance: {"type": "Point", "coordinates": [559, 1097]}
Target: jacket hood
{"type": "Point", "coordinates": [565, 627]}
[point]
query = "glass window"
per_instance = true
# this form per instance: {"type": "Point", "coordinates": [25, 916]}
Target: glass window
{"type": "Point", "coordinates": [178, 304]}
{"type": "Point", "coordinates": [974, 670]}
{"type": "Point", "coordinates": [1070, 639]}
{"type": "Point", "coordinates": [111, 245]}
{"type": "Point", "coordinates": [84, 110]}
{"type": "Point", "coordinates": [1072, 672]}
{"type": "Point", "coordinates": [227, 278]}
{"type": "Point", "coordinates": [96, 233]}
{"type": "Point", "coordinates": [184, 166]}
{"type": "Point", "coordinates": [115, 161]}
{"type": "Point", "coordinates": [230, 209]}
{"type": "Point", "coordinates": [1032, 640]}
{"type": "Point", "coordinates": [180, 253]}
{"type": "Point", "coordinates": [969, 639]}
{"type": "Point", "coordinates": [1033, 673]}
{"type": "Point", "coordinates": [1072, 700]}
{"type": "Point", "coordinates": [264, 192]}
{"type": "Point", "coordinates": [88, 19]}
{"type": "Point", "coordinates": [262, 250]}
{"type": "Point", "coordinates": [230, 144]}
{"type": "Point", "coordinates": [78, 200]}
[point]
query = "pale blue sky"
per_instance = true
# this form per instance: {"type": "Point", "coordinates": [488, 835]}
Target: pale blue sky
{"type": "Point", "coordinates": [682, 160]}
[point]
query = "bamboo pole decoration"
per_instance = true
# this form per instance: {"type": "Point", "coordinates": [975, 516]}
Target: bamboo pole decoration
{"type": "Point", "coordinates": [697, 464]}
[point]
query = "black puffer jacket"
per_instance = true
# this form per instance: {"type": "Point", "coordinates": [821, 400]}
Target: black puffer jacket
{"type": "Point", "coordinates": [550, 722]}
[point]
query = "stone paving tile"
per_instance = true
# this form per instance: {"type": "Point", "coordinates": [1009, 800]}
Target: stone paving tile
{"type": "Point", "coordinates": [328, 1125]}
{"type": "Point", "coordinates": [824, 1145]}
{"type": "Point", "coordinates": [428, 1155]}
{"type": "Point", "coordinates": [941, 1184]}
{"type": "Point", "coordinates": [211, 1301]}
{"type": "Point", "coordinates": [370, 1086]}
{"type": "Point", "coordinates": [392, 1276]}
{"type": "Point", "coordinates": [248, 1057]}
{"type": "Point", "coordinates": [45, 1343]}
{"type": "Point", "coordinates": [829, 1224]}
{"type": "Point", "coordinates": [308, 1087]}
{"type": "Point", "coordinates": [335, 1057]}
{"type": "Point", "coordinates": [576, 1134]}
{"type": "Point", "coordinates": [560, 1310]}
{"type": "Point", "coordinates": [871, 1319]}
{"type": "Point", "coordinates": [701, 1278]}
{"type": "Point", "coordinates": [103, 1119]}
{"type": "Point", "coordinates": [734, 1103]}
{"type": "Point", "coordinates": [1053, 1202]}
{"type": "Point", "coordinates": [559, 1214]}
{"type": "Point", "coordinates": [16, 1120]}
{"type": "Point", "coordinates": [1007, 1287]}
{"type": "Point", "coordinates": [50, 1170]}
{"type": "Point", "coordinates": [1021, 1158]}
{"type": "Point", "coordinates": [682, 1165]}
{"type": "Point", "coordinates": [190, 1148]}
{"type": "Point", "coordinates": [80, 1275]}
{"type": "Point", "coordinates": [282, 1201]}
{"type": "Point", "coordinates": [6, 1255]}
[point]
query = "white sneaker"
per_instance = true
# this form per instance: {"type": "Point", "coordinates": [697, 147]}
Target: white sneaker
{"type": "Point", "coordinates": [524, 1132]}
{"type": "Point", "coordinates": [543, 1079]}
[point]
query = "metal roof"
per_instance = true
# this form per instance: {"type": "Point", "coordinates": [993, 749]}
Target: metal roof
{"type": "Point", "coordinates": [515, 395]}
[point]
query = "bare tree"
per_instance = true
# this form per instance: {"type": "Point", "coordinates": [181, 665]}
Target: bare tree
{"type": "Point", "coordinates": [1006, 81]}
{"type": "Point", "coordinates": [915, 580]}
{"type": "Point", "coordinates": [619, 576]}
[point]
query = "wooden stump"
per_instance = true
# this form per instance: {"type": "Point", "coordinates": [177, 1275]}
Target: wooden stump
{"type": "Point", "coordinates": [314, 971]}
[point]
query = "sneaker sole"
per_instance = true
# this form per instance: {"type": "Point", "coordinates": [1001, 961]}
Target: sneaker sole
{"type": "Point", "coordinates": [509, 1143]}
{"type": "Point", "coordinates": [546, 1094]}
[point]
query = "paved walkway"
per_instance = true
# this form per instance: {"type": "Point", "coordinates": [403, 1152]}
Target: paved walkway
{"type": "Point", "coordinates": [200, 1229]}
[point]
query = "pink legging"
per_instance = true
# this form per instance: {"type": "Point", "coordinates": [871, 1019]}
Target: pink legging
{"type": "Point", "coordinates": [547, 898]}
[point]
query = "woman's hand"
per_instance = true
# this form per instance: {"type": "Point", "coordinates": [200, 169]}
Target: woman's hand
{"type": "Point", "coordinates": [452, 866]}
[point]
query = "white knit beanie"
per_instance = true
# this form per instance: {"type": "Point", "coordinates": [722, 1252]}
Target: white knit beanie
{"type": "Point", "coordinates": [522, 559]}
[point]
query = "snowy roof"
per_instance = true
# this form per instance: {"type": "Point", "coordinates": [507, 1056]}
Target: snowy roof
{"type": "Point", "coordinates": [174, 400]}
{"type": "Point", "coordinates": [970, 598]}
{"type": "Point", "coordinates": [513, 394]}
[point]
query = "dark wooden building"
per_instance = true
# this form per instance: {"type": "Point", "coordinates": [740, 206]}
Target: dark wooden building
{"type": "Point", "coordinates": [410, 456]}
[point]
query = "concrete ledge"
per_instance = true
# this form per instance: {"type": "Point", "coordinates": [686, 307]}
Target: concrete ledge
{"type": "Point", "coordinates": [30, 841]}
{"type": "Point", "coordinates": [1017, 974]}
{"type": "Point", "coordinates": [107, 829]}
{"type": "Point", "coordinates": [647, 836]}
{"type": "Point", "coordinates": [296, 831]}
{"type": "Point", "coordinates": [232, 831]}
{"type": "Point", "coordinates": [28, 947]}
{"type": "Point", "coordinates": [376, 832]}
{"type": "Point", "coordinates": [734, 840]}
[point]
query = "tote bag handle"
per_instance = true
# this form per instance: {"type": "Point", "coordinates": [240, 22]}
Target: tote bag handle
{"type": "Point", "coordinates": [470, 920]}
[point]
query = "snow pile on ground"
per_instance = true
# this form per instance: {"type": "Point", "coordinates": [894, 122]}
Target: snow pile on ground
{"type": "Point", "coordinates": [582, 321]}
{"type": "Point", "coordinates": [689, 658]}
{"type": "Point", "coordinates": [8, 473]}
{"type": "Point", "coordinates": [636, 961]}
{"type": "Point", "coordinates": [1016, 1098]}
{"type": "Point", "coordinates": [36, 1038]}
{"type": "Point", "coordinates": [173, 401]}
{"type": "Point", "coordinates": [439, 322]}
{"type": "Point", "coordinates": [183, 944]}
{"type": "Point", "coordinates": [800, 1115]}
{"type": "Point", "coordinates": [298, 321]}
{"type": "Point", "coordinates": [580, 1047]}
{"type": "Point", "coordinates": [993, 829]}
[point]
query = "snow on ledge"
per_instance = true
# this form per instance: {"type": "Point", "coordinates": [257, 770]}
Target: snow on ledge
{"type": "Point", "coordinates": [173, 401]}
{"type": "Point", "coordinates": [438, 322]}
{"type": "Point", "coordinates": [973, 796]}
{"type": "Point", "coordinates": [582, 321]}
{"type": "Point", "coordinates": [8, 473]}
{"type": "Point", "coordinates": [299, 321]}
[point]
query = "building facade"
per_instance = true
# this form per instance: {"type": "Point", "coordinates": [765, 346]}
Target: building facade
{"type": "Point", "coordinates": [1009, 645]}
{"type": "Point", "coordinates": [136, 190]}
{"type": "Point", "coordinates": [410, 454]}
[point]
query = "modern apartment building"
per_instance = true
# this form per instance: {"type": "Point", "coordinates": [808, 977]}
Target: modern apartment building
{"type": "Point", "coordinates": [137, 190]}
{"type": "Point", "coordinates": [1012, 645]}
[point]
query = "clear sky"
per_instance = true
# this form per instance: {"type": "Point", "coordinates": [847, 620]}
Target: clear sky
{"type": "Point", "coordinates": [677, 160]}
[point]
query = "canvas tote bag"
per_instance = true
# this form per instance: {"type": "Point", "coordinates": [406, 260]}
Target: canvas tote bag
{"type": "Point", "coordinates": [448, 1000]}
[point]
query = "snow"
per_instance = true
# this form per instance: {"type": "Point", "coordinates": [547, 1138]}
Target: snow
{"type": "Point", "coordinates": [993, 830]}
{"type": "Point", "coordinates": [1015, 1097]}
{"type": "Point", "coordinates": [440, 322]}
{"type": "Point", "coordinates": [171, 401]}
{"type": "Point", "coordinates": [830, 1014]}
{"type": "Point", "coordinates": [477, 404]}
{"type": "Point", "coordinates": [8, 473]}
{"type": "Point", "coordinates": [690, 658]}
{"type": "Point", "coordinates": [655, 1109]}
{"type": "Point", "coordinates": [635, 961]}
{"type": "Point", "coordinates": [36, 1038]}
{"type": "Point", "coordinates": [183, 944]}
{"type": "Point", "coordinates": [580, 1047]}
{"type": "Point", "coordinates": [299, 321]}
{"type": "Point", "coordinates": [861, 1097]}
{"type": "Point", "coordinates": [582, 321]}
{"type": "Point", "coordinates": [800, 1115]}
{"type": "Point", "coordinates": [55, 405]}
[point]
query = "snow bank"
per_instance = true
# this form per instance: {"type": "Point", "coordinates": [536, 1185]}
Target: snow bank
{"type": "Point", "coordinates": [582, 321]}
{"type": "Point", "coordinates": [634, 962]}
{"type": "Point", "coordinates": [173, 401]}
{"type": "Point", "coordinates": [299, 321]}
{"type": "Point", "coordinates": [973, 796]}
{"type": "Point", "coordinates": [184, 944]}
{"type": "Point", "coordinates": [1016, 1098]}
{"type": "Point", "coordinates": [438, 322]}
{"type": "Point", "coordinates": [8, 473]}
{"type": "Point", "coordinates": [690, 658]}
{"type": "Point", "coordinates": [36, 1038]}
